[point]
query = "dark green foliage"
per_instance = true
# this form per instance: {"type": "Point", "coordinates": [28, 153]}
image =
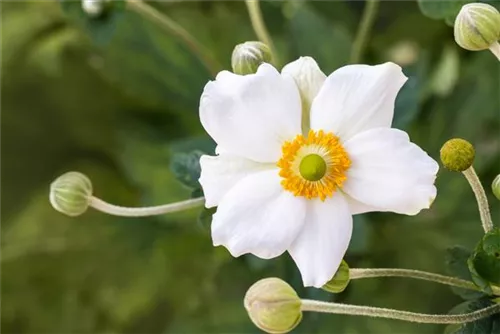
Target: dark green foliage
{"type": "Point", "coordinates": [117, 98]}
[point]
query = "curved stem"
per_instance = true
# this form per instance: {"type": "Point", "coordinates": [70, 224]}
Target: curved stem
{"type": "Point", "coordinates": [416, 274]}
{"type": "Point", "coordinates": [377, 312]}
{"type": "Point", "coordinates": [369, 13]}
{"type": "Point", "coordinates": [495, 49]}
{"type": "Point", "coordinates": [178, 31]}
{"type": "Point", "coordinates": [116, 210]}
{"type": "Point", "coordinates": [259, 27]}
{"type": "Point", "coordinates": [482, 200]}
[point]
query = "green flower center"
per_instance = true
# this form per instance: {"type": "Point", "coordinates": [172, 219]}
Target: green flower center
{"type": "Point", "coordinates": [312, 167]}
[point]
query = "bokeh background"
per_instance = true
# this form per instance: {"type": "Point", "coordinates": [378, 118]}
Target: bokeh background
{"type": "Point", "coordinates": [117, 99]}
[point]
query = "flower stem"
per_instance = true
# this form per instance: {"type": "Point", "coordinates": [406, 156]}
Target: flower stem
{"type": "Point", "coordinates": [377, 312]}
{"type": "Point", "coordinates": [260, 29]}
{"type": "Point", "coordinates": [358, 273]}
{"type": "Point", "coordinates": [369, 13]}
{"type": "Point", "coordinates": [495, 49]}
{"type": "Point", "coordinates": [482, 200]}
{"type": "Point", "coordinates": [178, 31]}
{"type": "Point", "coordinates": [116, 210]}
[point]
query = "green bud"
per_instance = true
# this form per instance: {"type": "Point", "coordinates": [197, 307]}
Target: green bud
{"type": "Point", "coordinates": [495, 186]}
{"type": "Point", "coordinates": [70, 193]}
{"type": "Point", "coordinates": [248, 56]}
{"type": "Point", "coordinates": [273, 305]}
{"type": "Point", "coordinates": [457, 154]}
{"type": "Point", "coordinates": [339, 281]}
{"type": "Point", "coordinates": [477, 26]}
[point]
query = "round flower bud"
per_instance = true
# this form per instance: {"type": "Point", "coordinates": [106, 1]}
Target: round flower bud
{"type": "Point", "coordinates": [70, 193]}
{"type": "Point", "coordinates": [273, 305]}
{"type": "Point", "coordinates": [339, 281]}
{"type": "Point", "coordinates": [93, 8]}
{"type": "Point", "coordinates": [457, 154]}
{"type": "Point", "coordinates": [477, 26]}
{"type": "Point", "coordinates": [248, 56]}
{"type": "Point", "coordinates": [495, 186]}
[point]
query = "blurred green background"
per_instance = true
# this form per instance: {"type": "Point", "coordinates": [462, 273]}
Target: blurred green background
{"type": "Point", "coordinates": [117, 99]}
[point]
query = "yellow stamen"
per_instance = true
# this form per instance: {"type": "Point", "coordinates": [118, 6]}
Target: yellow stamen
{"type": "Point", "coordinates": [324, 145]}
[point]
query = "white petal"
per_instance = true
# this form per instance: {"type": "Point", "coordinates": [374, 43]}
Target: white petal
{"type": "Point", "coordinates": [221, 173]}
{"type": "Point", "coordinates": [309, 78]}
{"type": "Point", "coordinates": [258, 216]}
{"type": "Point", "coordinates": [323, 241]}
{"type": "Point", "coordinates": [389, 173]}
{"type": "Point", "coordinates": [251, 115]}
{"type": "Point", "coordinates": [356, 98]}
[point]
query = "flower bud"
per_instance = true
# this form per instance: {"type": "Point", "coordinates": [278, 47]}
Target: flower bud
{"type": "Point", "coordinates": [93, 8]}
{"type": "Point", "coordinates": [477, 26]}
{"type": "Point", "coordinates": [273, 305]}
{"type": "Point", "coordinates": [495, 186]}
{"type": "Point", "coordinates": [457, 154]}
{"type": "Point", "coordinates": [339, 281]}
{"type": "Point", "coordinates": [70, 193]}
{"type": "Point", "coordinates": [248, 56]}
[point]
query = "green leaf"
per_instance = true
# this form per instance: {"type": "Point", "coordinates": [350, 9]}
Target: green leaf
{"type": "Point", "coordinates": [456, 263]}
{"type": "Point", "coordinates": [489, 325]}
{"type": "Point", "coordinates": [486, 258]}
{"type": "Point", "coordinates": [205, 218]}
{"type": "Point", "coordinates": [100, 28]}
{"type": "Point", "coordinates": [186, 168]}
{"type": "Point", "coordinates": [441, 9]}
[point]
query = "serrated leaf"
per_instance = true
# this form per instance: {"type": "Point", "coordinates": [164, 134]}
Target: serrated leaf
{"type": "Point", "coordinates": [487, 325]}
{"type": "Point", "coordinates": [186, 168]}
{"type": "Point", "coordinates": [456, 263]}
{"type": "Point", "coordinates": [486, 258]}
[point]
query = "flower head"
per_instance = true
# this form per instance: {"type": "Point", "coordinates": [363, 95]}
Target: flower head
{"type": "Point", "coordinates": [477, 26]}
{"type": "Point", "coordinates": [299, 153]}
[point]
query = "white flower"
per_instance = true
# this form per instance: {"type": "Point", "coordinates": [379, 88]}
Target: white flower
{"type": "Point", "coordinates": [299, 153]}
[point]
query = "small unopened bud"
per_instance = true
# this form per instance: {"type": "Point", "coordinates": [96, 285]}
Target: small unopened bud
{"type": "Point", "coordinates": [248, 56]}
{"type": "Point", "coordinates": [273, 305]}
{"type": "Point", "coordinates": [70, 193]}
{"type": "Point", "coordinates": [93, 8]}
{"type": "Point", "coordinates": [457, 154]}
{"type": "Point", "coordinates": [477, 26]}
{"type": "Point", "coordinates": [495, 186]}
{"type": "Point", "coordinates": [339, 281]}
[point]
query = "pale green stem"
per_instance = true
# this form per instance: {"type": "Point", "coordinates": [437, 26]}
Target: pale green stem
{"type": "Point", "coordinates": [482, 200]}
{"type": "Point", "coordinates": [416, 274]}
{"type": "Point", "coordinates": [178, 31]}
{"type": "Point", "coordinates": [260, 29]}
{"type": "Point", "coordinates": [116, 210]}
{"type": "Point", "coordinates": [495, 49]}
{"type": "Point", "coordinates": [377, 312]}
{"type": "Point", "coordinates": [367, 20]}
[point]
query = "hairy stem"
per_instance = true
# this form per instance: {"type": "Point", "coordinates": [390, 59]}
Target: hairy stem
{"type": "Point", "coordinates": [259, 27]}
{"type": "Point", "coordinates": [178, 31]}
{"type": "Point", "coordinates": [377, 312]}
{"type": "Point", "coordinates": [482, 200]}
{"type": "Point", "coordinates": [116, 210]}
{"type": "Point", "coordinates": [358, 273]}
{"type": "Point", "coordinates": [367, 20]}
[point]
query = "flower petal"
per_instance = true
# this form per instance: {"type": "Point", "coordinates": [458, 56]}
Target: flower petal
{"type": "Point", "coordinates": [251, 115]}
{"type": "Point", "coordinates": [258, 216]}
{"type": "Point", "coordinates": [356, 98]}
{"type": "Point", "coordinates": [323, 241]}
{"type": "Point", "coordinates": [220, 173]}
{"type": "Point", "coordinates": [389, 173]}
{"type": "Point", "coordinates": [309, 79]}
